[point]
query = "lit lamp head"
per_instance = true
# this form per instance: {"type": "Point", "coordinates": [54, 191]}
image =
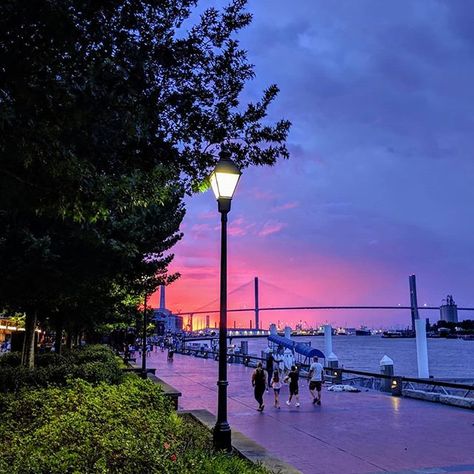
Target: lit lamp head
{"type": "Point", "coordinates": [224, 181]}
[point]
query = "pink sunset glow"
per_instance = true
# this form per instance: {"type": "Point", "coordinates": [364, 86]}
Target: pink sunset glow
{"type": "Point", "coordinates": [378, 178]}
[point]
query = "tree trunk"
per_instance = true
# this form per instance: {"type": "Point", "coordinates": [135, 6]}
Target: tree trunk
{"type": "Point", "coordinates": [59, 336]}
{"type": "Point", "coordinates": [28, 353]}
{"type": "Point", "coordinates": [69, 339]}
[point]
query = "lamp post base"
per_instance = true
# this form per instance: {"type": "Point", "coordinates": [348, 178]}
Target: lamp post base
{"type": "Point", "coordinates": [222, 437]}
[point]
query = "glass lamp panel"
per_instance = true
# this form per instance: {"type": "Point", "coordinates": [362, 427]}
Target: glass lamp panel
{"type": "Point", "coordinates": [214, 186]}
{"type": "Point", "coordinates": [226, 184]}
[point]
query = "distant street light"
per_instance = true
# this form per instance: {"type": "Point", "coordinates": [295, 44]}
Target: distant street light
{"type": "Point", "coordinates": [145, 323]}
{"type": "Point", "coordinates": [224, 181]}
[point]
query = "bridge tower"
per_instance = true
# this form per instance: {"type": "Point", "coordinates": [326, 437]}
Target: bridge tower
{"type": "Point", "coordinates": [257, 322]}
{"type": "Point", "coordinates": [413, 301]}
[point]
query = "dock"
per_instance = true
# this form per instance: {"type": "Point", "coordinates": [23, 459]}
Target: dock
{"type": "Point", "coordinates": [366, 432]}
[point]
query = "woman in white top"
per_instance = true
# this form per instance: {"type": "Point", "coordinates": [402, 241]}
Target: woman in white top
{"type": "Point", "coordinates": [276, 385]}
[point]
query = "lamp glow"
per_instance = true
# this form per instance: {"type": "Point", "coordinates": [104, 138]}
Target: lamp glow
{"type": "Point", "coordinates": [224, 178]}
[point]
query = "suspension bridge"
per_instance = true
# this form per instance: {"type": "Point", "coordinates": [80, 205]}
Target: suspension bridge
{"type": "Point", "coordinates": [256, 308]}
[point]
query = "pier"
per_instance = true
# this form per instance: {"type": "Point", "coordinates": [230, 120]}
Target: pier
{"type": "Point", "coordinates": [365, 432]}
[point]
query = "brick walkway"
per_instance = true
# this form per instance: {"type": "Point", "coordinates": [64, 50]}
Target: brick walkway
{"type": "Point", "coordinates": [363, 432]}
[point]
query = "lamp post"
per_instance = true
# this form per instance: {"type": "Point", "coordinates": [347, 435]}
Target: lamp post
{"type": "Point", "coordinates": [145, 322]}
{"type": "Point", "coordinates": [224, 181]}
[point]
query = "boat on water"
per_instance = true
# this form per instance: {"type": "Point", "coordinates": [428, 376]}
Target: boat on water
{"type": "Point", "coordinates": [392, 334]}
{"type": "Point", "coordinates": [363, 331]}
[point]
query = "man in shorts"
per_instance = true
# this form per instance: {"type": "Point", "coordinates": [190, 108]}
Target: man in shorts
{"type": "Point", "coordinates": [316, 378]}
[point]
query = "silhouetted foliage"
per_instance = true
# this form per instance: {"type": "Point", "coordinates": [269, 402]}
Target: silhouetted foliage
{"type": "Point", "coordinates": [110, 112]}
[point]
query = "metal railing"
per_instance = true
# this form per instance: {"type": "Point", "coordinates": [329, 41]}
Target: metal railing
{"type": "Point", "coordinates": [373, 380]}
{"type": "Point", "coordinates": [370, 380]}
{"type": "Point", "coordinates": [247, 360]}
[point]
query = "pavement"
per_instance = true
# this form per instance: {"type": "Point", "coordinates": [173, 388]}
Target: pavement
{"type": "Point", "coordinates": [366, 432]}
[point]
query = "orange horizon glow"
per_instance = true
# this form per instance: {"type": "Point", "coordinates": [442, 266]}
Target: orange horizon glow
{"type": "Point", "coordinates": [308, 280]}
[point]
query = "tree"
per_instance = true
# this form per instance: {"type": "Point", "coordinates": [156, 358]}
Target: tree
{"type": "Point", "coordinates": [110, 111]}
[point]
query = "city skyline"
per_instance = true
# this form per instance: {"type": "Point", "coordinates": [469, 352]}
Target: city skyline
{"type": "Point", "coordinates": [378, 185]}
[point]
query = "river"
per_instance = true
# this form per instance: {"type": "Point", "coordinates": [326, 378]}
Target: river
{"type": "Point", "coordinates": [448, 358]}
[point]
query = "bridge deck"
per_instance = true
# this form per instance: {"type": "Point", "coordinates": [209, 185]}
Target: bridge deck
{"type": "Point", "coordinates": [350, 433]}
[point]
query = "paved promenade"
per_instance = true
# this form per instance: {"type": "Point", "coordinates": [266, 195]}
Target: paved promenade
{"type": "Point", "coordinates": [365, 432]}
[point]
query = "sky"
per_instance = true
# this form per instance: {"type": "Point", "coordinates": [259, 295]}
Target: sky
{"type": "Point", "coordinates": [380, 180]}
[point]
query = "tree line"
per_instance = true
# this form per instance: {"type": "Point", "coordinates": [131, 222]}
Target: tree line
{"type": "Point", "coordinates": [111, 112]}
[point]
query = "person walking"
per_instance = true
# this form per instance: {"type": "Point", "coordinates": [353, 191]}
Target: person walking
{"type": "Point", "coordinates": [259, 382]}
{"type": "Point", "coordinates": [270, 360]}
{"type": "Point", "coordinates": [276, 385]}
{"type": "Point", "coordinates": [316, 378]}
{"type": "Point", "coordinates": [293, 378]}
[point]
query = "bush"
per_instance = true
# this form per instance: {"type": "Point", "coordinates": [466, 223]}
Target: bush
{"type": "Point", "coordinates": [128, 428]}
{"type": "Point", "coordinates": [92, 353]}
{"type": "Point", "coordinates": [94, 364]}
{"type": "Point", "coordinates": [49, 358]}
{"type": "Point", "coordinates": [10, 359]}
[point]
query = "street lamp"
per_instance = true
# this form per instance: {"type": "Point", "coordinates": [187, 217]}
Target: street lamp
{"type": "Point", "coordinates": [145, 323]}
{"type": "Point", "coordinates": [224, 180]}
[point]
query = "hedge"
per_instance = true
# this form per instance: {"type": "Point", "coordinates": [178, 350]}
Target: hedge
{"type": "Point", "coordinates": [129, 428]}
{"type": "Point", "coordinates": [94, 364]}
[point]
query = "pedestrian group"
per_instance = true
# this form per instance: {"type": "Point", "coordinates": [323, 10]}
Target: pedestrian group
{"type": "Point", "coordinates": [273, 380]}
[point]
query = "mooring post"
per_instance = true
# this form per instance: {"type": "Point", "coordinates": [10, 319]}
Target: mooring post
{"type": "Point", "coordinates": [332, 363]}
{"type": "Point", "coordinates": [386, 368]}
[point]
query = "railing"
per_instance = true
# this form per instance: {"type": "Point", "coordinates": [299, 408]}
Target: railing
{"type": "Point", "coordinates": [371, 380]}
{"type": "Point", "coordinates": [247, 360]}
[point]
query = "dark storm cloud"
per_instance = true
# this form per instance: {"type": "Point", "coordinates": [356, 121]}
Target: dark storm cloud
{"type": "Point", "coordinates": [381, 98]}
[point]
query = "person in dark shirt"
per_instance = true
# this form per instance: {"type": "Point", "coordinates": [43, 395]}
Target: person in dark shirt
{"type": "Point", "coordinates": [270, 369]}
{"type": "Point", "coordinates": [293, 377]}
{"type": "Point", "coordinates": [259, 382]}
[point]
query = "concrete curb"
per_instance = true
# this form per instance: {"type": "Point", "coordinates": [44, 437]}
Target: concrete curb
{"type": "Point", "coordinates": [452, 400]}
{"type": "Point", "coordinates": [244, 446]}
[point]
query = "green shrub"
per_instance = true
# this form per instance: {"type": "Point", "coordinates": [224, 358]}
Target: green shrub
{"type": "Point", "coordinates": [10, 359]}
{"type": "Point", "coordinates": [92, 353]}
{"type": "Point", "coordinates": [95, 372]}
{"type": "Point", "coordinates": [49, 358]}
{"type": "Point", "coordinates": [94, 364]}
{"type": "Point", "coordinates": [128, 428]}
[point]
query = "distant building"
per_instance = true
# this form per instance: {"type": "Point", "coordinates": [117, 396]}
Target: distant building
{"type": "Point", "coordinates": [449, 310]}
{"type": "Point", "coordinates": [165, 320]}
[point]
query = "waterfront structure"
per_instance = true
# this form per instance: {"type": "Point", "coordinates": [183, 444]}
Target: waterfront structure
{"type": "Point", "coordinates": [257, 322]}
{"type": "Point", "coordinates": [419, 326]}
{"type": "Point", "coordinates": [165, 320]}
{"type": "Point", "coordinates": [7, 329]}
{"type": "Point", "coordinates": [413, 301]}
{"type": "Point", "coordinates": [449, 310]}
